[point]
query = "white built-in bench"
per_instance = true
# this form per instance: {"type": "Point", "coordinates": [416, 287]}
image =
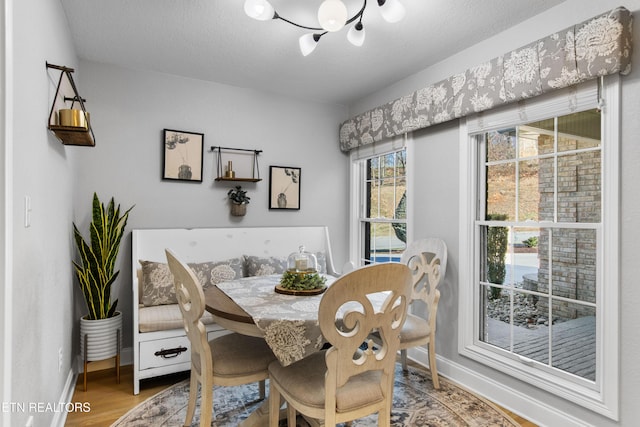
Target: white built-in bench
{"type": "Point", "coordinates": [160, 344]}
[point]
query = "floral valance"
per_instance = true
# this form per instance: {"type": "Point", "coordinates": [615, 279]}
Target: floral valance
{"type": "Point", "coordinates": [596, 47]}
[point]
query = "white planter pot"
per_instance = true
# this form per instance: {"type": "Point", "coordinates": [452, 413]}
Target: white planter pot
{"type": "Point", "coordinates": [102, 337]}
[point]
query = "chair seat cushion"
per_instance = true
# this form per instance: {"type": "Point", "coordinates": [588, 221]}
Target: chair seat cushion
{"type": "Point", "coordinates": [415, 328]}
{"type": "Point", "coordinates": [239, 355]}
{"type": "Point", "coordinates": [305, 381]}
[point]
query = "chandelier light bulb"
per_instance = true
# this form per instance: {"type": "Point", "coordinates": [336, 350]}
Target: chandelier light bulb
{"type": "Point", "coordinates": [391, 10]}
{"type": "Point", "coordinates": [356, 34]}
{"type": "Point", "coordinates": [259, 9]}
{"type": "Point", "coordinates": [308, 43]}
{"type": "Point", "coordinates": [332, 15]}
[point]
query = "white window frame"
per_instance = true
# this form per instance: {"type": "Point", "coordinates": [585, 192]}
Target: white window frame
{"type": "Point", "coordinates": [358, 191]}
{"type": "Point", "coordinates": [601, 396]}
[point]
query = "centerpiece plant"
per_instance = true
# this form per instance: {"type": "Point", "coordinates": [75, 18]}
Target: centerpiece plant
{"type": "Point", "coordinates": [302, 273]}
{"type": "Point", "coordinates": [293, 280]}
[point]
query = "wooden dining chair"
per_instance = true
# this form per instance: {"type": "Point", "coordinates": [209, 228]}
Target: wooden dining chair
{"type": "Point", "coordinates": [346, 382]}
{"type": "Point", "coordinates": [427, 260]}
{"type": "Point", "coordinates": [229, 360]}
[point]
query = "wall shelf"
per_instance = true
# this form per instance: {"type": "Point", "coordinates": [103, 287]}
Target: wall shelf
{"type": "Point", "coordinates": [222, 176]}
{"type": "Point", "coordinates": [70, 135]}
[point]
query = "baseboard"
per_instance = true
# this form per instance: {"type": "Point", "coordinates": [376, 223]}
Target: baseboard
{"type": "Point", "coordinates": [60, 417]}
{"type": "Point", "coordinates": [509, 398]}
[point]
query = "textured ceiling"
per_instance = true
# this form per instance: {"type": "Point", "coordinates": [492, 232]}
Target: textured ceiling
{"type": "Point", "coordinates": [214, 40]}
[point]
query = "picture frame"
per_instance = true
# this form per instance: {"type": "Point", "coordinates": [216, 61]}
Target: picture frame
{"type": "Point", "coordinates": [284, 187]}
{"type": "Point", "coordinates": [182, 155]}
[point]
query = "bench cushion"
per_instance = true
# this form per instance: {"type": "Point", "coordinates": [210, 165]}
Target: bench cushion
{"type": "Point", "coordinates": [164, 317]}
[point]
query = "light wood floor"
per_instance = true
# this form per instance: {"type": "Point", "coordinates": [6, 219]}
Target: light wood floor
{"type": "Point", "coordinates": [109, 401]}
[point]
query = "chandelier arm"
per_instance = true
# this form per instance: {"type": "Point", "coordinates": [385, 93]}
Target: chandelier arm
{"type": "Point", "coordinates": [317, 36]}
{"type": "Point", "coordinates": [360, 13]}
{"type": "Point", "coordinates": [357, 15]}
{"type": "Point", "coordinates": [277, 16]}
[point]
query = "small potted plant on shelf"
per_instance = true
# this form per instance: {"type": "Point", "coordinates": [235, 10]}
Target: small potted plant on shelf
{"type": "Point", "coordinates": [239, 201]}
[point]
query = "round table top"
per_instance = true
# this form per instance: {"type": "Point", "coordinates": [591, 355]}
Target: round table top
{"type": "Point", "coordinates": [219, 304]}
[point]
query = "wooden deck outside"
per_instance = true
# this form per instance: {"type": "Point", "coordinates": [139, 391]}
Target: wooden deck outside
{"type": "Point", "coordinates": [573, 344]}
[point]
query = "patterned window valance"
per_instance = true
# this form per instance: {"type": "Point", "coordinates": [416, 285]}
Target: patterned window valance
{"type": "Point", "coordinates": [596, 47]}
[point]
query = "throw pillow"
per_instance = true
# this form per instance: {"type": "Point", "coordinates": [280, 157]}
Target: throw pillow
{"type": "Point", "coordinates": [264, 266]}
{"type": "Point", "coordinates": [157, 280]}
{"type": "Point", "coordinates": [212, 273]}
{"type": "Point", "coordinates": [157, 284]}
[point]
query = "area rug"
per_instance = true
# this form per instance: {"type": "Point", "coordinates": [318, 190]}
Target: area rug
{"type": "Point", "coordinates": [415, 403]}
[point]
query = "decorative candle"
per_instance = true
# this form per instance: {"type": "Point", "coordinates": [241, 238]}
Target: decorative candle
{"type": "Point", "coordinates": [230, 173]}
{"type": "Point", "coordinates": [301, 264]}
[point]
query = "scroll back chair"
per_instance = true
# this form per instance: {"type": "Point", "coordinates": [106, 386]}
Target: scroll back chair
{"type": "Point", "coordinates": [228, 360]}
{"type": "Point", "coordinates": [344, 382]}
{"type": "Point", "coordinates": [427, 260]}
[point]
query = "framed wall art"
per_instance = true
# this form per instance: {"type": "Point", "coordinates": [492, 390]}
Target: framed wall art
{"type": "Point", "coordinates": [183, 153]}
{"type": "Point", "coordinates": [284, 187]}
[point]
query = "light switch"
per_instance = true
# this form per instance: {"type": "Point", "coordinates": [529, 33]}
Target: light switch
{"type": "Point", "coordinates": [27, 211]}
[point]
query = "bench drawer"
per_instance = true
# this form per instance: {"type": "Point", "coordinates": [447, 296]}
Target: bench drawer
{"type": "Point", "coordinates": [165, 352]}
{"type": "Point", "coordinates": [172, 350]}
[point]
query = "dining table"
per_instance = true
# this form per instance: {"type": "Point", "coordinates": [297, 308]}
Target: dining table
{"type": "Point", "coordinates": [251, 306]}
{"type": "Point", "coordinates": [288, 323]}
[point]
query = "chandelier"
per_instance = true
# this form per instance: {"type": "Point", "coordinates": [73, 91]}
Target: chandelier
{"type": "Point", "coordinates": [332, 16]}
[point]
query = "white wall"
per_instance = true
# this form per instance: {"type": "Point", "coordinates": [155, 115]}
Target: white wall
{"type": "Point", "coordinates": [129, 110]}
{"type": "Point", "coordinates": [41, 308]}
{"type": "Point", "coordinates": [437, 147]}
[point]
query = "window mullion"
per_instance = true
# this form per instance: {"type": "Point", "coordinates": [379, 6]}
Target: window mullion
{"type": "Point", "coordinates": [517, 168]}
{"type": "Point", "coordinates": [395, 183]}
{"type": "Point", "coordinates": [555, 170]}
{"type": "Point", "coordinates": [550, 293]}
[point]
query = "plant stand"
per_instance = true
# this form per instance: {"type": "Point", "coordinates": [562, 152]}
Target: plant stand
{"type": "Point", "coordinates": [101, 340]}
{"type": "Point", "coordinates": [86, 362]}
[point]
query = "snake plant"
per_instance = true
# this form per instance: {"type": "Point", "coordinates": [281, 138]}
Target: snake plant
{"type": "Point", "coordinates": [95, 272]}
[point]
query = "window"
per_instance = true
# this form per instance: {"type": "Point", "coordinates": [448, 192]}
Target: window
{"type": "Point", "coordinates": [379, 203]}
{"type": "Point", "coordinates": [541, 285]}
